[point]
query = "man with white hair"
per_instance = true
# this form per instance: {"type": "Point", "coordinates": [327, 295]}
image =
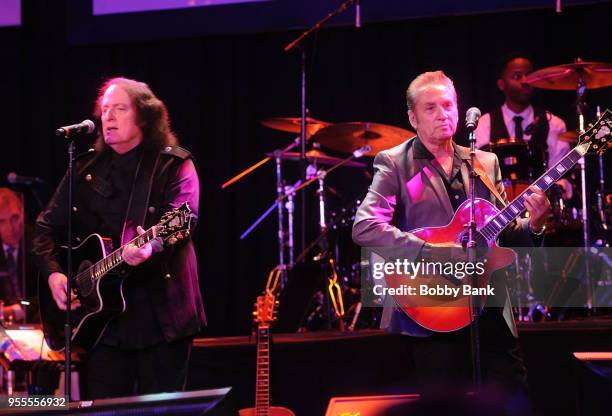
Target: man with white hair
{"type": "Point", "coordinates": [421, 183]}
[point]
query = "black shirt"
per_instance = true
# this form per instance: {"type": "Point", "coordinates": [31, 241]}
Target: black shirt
{"type": "Point", "coordinates": [137, 327]}
{"type": "Point", "coordinates": [454, 182]}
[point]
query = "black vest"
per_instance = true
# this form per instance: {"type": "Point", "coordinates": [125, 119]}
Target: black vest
{"type": "Point", "coordinates": [538, 148]}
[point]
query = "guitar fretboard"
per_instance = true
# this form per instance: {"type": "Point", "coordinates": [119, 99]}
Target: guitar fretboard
{"type": "Point", "coordinates": [513, 210]}
{"type": "Point", "coordinates": [114, 259]}
{"type": "Point", "coordinates": [262, 380]}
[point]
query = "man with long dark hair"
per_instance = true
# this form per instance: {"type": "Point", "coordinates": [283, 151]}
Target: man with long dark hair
{"type": "Point", "coordinates": [134, 175]}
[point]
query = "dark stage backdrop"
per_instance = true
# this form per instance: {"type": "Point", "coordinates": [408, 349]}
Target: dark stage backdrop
{"type": "Point", "coordinates": [218, 88]}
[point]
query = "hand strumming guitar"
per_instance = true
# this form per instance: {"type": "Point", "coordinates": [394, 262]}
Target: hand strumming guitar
{"type": "Point", "coordinates": [58, 285]}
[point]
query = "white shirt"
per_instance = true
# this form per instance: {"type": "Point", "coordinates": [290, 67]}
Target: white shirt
{"type": "Point", "coordinates": [556, 148]}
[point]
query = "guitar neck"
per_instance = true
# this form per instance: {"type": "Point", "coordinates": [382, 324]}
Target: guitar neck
{"type": "Point", "coordinates": [115, 258]}
{"type": "Point", "coordinates": [262, 380]}
{"type": "Point", "coordinates": [513, 210]}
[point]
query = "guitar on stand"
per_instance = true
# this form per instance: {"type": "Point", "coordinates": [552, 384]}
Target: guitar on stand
{"type": "Point", "coordinates": [264, 315]}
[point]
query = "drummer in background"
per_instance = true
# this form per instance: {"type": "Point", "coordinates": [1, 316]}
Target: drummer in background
{"type": "Point", "coordinates": [518, 118]}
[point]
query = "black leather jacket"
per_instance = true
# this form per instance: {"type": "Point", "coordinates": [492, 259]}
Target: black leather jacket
{"type": "Point", "coordinates": [164, 180]}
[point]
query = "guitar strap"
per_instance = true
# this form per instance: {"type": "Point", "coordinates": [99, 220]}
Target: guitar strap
{"type": "Point", "coordinates": [478, 168]}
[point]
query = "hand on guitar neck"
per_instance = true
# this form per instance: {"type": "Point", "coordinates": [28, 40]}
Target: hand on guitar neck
{"type": "Point", "coordinates": [538, 207]}
{"type": "Point", "coordinates": [134, 255]}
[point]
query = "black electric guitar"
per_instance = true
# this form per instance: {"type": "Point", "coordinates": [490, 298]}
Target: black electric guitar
{"type": "Point", "coordinates": [264, 315]}
{"type": "Point", "coordinates": [98, 282]}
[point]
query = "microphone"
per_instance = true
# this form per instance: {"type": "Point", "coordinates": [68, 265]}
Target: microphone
{"type": "Point", "coordinates": [15, 179]}
{"type": "Point", "coordinates": [84, 127]}
{"type": "Point", "coordinates": [357, 13]}
{"type": "Point", "coordinates": [471, 118]}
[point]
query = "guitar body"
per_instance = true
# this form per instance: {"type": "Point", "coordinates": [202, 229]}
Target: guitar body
{"type": "Point", "coordinates": [272, 411]}
{"type": "Point", "coordinates": [98, 281]}
{"type": "Point", "coordinates": [101, 299]}
{"type": "Point", "coordinates": [448, 314]}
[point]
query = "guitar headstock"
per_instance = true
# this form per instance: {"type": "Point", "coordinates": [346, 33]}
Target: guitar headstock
{"type": "Point", "coordinates": [599, 136]}
{"type": "Point", "coordinates": [265, 305]}
{"type": "Point", "coordinates": [175, 225]}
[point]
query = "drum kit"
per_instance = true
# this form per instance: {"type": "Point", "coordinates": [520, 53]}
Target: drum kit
{"type": "Point", "coordinates": [576, 222]}
{"type": "Point", "coordinates": [350, 141]}
{"type": "Point", "coordinates": [347, 142]}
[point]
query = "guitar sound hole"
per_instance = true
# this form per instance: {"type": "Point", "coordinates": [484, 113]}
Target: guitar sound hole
{"type": "Point", "coordinates": [84, 284]}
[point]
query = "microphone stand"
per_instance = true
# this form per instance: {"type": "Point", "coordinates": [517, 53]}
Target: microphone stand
{"type": "Point", "coordinates": [586, 238]}
{"type": "Point", "coordinates": [68, 134]}
{"type": "Point", "coordinates": [471, 257]}
{"type": "Point", "coordinates": [295, 44]}
{"type": "Point", "coordinates": [67, 325]}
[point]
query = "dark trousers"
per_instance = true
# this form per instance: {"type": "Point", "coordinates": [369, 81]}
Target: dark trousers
{"type": "Point", "coordinates": [115, 372]}
{"type": "Point", "coordinates": [443, 362]}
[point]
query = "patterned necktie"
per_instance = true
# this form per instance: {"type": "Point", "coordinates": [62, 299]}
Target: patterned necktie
{"type": "Point", "coordinates": [518, 127]}
{"type": "Point", "coordinates": [10, 259]}
{"type": "Point", "coordinates": [11, 268]}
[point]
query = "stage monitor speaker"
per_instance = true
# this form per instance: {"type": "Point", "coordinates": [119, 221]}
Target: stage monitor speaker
{"type": "Point", "coordinates": [367, 405]}
{"type": "Point", "coordinates": [189, 403]}
{"type": "Point", "coordinates": [594, 382]}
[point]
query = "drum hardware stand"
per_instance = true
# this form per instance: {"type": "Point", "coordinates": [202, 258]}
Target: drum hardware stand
{"type": "Point", "coordinates": [284, 192]}
{"type": "Point", "coordinates": [280, 190]}
{"type": "Point", "coordinates": [290, 207]}
{"type": "Point", "coordinates": [601, 190]}
{"type": "Point", "coordinates": [580, 105]}
{"type": "Point", "coordinates": [262, 162]}
{"type": "Point", "coordinates": [333, 295]}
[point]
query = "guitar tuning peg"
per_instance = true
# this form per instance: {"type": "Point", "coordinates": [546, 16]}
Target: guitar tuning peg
{"type": "Point", "coordinates": [172, 240]}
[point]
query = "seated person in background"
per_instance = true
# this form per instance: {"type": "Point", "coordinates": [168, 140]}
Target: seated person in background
{"type": "Point", "coordinates": [17, 276]}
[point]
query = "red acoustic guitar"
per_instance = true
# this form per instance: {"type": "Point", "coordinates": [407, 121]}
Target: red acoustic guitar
{"type": "Point", "coordinates": [264, 315]}
{"type": "Point", "coordinates": [449, 313]}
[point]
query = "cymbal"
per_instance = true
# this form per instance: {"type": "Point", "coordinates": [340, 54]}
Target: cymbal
{"type": "Point", "coordinates": [348, 137]}
{"type": "Point", "coordinates": [569, 136]}
{"type": "Point", "coordinates": [293, 124]}
{"type": "Point", "coordinates": [319, 157]}
{"type": "Point", "coordinates": [566, 77]}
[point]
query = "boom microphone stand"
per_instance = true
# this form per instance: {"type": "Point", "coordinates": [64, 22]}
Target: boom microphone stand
{"type": "Point", "coordinates": [295, 44]}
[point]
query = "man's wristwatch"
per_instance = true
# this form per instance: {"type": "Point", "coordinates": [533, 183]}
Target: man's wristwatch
{"type": "Point", "coordinates": [538, 232]}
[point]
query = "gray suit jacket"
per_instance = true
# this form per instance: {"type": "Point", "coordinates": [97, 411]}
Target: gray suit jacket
{"type": "Point", "coordinates": [408, 193]}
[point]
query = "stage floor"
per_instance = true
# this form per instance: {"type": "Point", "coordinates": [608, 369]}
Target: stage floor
{"type": "Point", "coordinates": [307, 369]}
